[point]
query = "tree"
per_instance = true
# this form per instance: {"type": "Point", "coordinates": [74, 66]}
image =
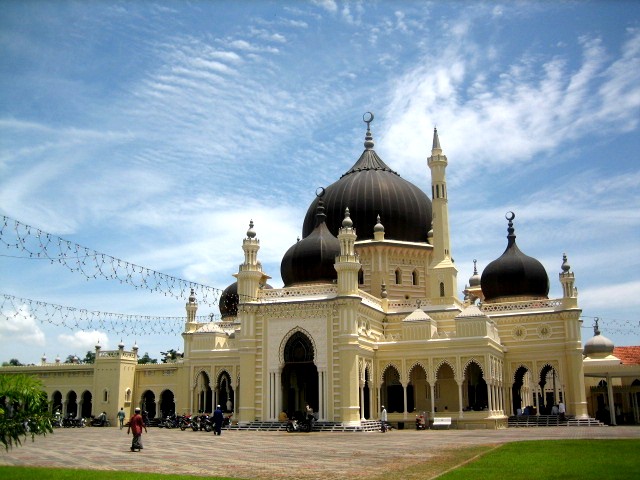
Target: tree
{"type": "Point", "coordinates": [90, 357]}
{"type": "Point", "coordinates": [23, 409]}
{"type": "Point", "coordinates": [72, 359]}
{"type": "Point", "coordinates": [14, 362]}
{"type": "Point", "coordinates": [170, 356]}
{"type": "Point", "coordinates": [146, 359]}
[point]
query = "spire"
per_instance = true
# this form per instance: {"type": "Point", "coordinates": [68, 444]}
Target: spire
{"type": "Point", "coordinates": [368, 139]}
{"type": "Point", "coordinates": [436, 140]}
{"type": "Point", "coordinates": [511, 236]}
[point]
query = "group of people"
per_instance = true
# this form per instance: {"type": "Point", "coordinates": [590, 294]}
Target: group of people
{"type": "Point", "coordinates": [558, 409]}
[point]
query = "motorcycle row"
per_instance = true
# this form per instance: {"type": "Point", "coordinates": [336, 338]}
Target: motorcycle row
{"type": "Point", "coordinates": [71, 421]}
{"type": "Point", "coordinates": [202, 422]}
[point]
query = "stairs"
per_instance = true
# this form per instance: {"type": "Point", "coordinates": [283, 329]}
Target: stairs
{"type": "Point", "coordinates": [365, 426]}
{"type": "Point", "coordinates": [551, 421]}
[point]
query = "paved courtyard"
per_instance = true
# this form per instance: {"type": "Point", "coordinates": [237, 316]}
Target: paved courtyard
{"type": "Point", "coordinates": [261, 455]}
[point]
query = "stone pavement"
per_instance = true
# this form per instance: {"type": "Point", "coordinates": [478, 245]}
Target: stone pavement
{"type": "Point", "coordinates": [262, 455]}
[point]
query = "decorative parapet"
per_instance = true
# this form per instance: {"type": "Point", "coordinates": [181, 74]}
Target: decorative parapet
{"type": "Point", "coordinates": [529, 305]}
{"type": "Point", "coordinates": [320, 291]}
{"type": "Point", "coordinates": [370, 300]}
{"type": "Point", "coordinates": [408, 305]}
{"type": "Point", "coordinates": [116, 354]}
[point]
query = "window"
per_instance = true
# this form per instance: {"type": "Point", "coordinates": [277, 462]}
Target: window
{"type": "Point", "coordinates": [415, 277]}
{"type": "Point", "coordinates": [398, 277]}
{"type": "Point", "coordinates": [361, 277]}
{"type": "Point", "coordinates": [442, 289]}
{"type": "Point", "coordinates": [105, 396]}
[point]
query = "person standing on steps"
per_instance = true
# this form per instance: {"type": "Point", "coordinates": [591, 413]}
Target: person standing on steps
{"type": "Point", "coordinates": [136, 424]}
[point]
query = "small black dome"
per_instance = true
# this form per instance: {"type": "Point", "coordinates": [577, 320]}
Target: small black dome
{"type": "Point", "coordinates": [370, 188]}
{"type": "Point", "coordinates": [229, 301]}
{"type": "Point", "coordinates": [514, 274]}
{"type": "Point", "coordinates": [312, 259]}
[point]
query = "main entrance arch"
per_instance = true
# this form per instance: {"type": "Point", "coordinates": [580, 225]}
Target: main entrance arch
{"type": "Point", "coordinates": [300, 375]}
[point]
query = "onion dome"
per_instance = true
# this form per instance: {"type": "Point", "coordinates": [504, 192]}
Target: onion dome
{"type": "Point", "coordinates": [135, 347]}
{"type": "Point", "coordinates": [370, 188]}
{"type": "Point", "coordinates": [228, 302]}
{"type": "Point", "coordinates": [598, 345]}
{"type": "Point", "coordinates": [474, 280]}
{"type": "Point", "coordinates": [312, 259]}
{"type": "Point", "coordinates": [121, 345]}
{"type": "Point", "coordinates": [514, 274]}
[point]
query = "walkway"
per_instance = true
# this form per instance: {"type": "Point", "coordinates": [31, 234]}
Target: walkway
{"type": "Point", "coordinates": [262, 455]}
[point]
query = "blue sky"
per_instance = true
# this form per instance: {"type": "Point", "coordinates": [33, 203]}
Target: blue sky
{"type": "Point", "coordinates": [154, 132]}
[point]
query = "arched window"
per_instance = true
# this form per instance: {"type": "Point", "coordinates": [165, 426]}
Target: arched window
{"type": "Point", "coordinates": [398, 277]}
{"type": "Point", "coordinates": [414, 276]}
{"type": "Point", "coordinates": [442, 289]}
{"type": "Point", "coordinates": [361, 277]}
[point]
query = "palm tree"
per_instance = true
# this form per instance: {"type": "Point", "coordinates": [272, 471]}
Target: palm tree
{"type": "Point", "coordinates": [23, 409]}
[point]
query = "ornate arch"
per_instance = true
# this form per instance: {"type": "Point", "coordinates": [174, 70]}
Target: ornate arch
{"type": "Point", "coordinates": [440, 364]}
{"type": "Point", "coordinates": [197, 373]}
{"type": "Point", "coordinates": [384, 369]}
{"type": "Point", "coordinates": [420, 364]}
{"type": "Point", "coordinates": [287, 337]}
{"type": "Point", "coordinates": [518, 366]}
{"type": "Point", "coordinates": [477, 362]}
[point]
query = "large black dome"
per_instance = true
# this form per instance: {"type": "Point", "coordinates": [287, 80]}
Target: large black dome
{"type": "Point", "coordinates": [514, 274]}
{"type": "Point", "coordinates": [370, 188]}
{"type": "Point", "coordinates": [312, 259]}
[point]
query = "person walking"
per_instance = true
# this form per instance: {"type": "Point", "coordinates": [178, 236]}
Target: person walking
{"type": "Point", "coordinates": [383, 420]}
{"type": "Point", "coordinates": [562, 411]}
{"type": "Point", "coordinates": [121, 416]}
{"type": "Point", "coordinates": [136, 424]}
{"type": "Point", "coordinates": [218, 418]}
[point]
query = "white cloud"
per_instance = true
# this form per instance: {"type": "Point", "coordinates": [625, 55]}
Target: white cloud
{"type": "Point", "coordinates": [81, 342]}
{"type": "Point", "coordinates": [19, 326]}
{"type": "Point", "coordinates": [329, 5]}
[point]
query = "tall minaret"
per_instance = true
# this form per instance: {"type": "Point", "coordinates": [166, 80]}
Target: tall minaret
{"type": "Point", "coordinates": [443, 273]}
{"type": "Point", "coordinates": [249, 276]}
{"type": "Point", "coordinates": [347, 263]}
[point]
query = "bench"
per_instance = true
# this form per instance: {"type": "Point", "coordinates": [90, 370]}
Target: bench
{"type": "Point", "coordinates": [442, 422]}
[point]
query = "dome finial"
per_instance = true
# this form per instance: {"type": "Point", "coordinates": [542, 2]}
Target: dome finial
{"type": "Point", "coordinates": [596, 329]}
{"type": "Point", "coordinates": [510, 231]}
{"type": "Point", "coordinates": [565, 264]}
{"type": "Point", "coordinates": [347, 222]}
{"type": "Point", "coordinates": [251, 233]}
{"type": "Point", "coordinates": [368, 139]}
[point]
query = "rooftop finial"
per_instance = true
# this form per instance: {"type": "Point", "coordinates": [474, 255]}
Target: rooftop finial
{"type": "Point", "coordinates": [436, 140]}
{"type": "Point", "coordinates": [475, 267]}
{"type": "Point", "coordinates": [596, 329]}
{"type": "Point", "coordinates": [565, 264]}
{"type": "Point", "coordinates": [511, 235]}
{"type": "Point", "coordinates": [368, 139]}
{"type": "Point", "coordinates": [251, 233]}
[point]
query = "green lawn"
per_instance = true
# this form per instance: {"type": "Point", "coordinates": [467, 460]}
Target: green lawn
{"type": "Point", "coordinates": [561, 459]}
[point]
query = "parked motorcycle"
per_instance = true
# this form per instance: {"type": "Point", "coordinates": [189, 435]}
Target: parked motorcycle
{"type": "Point", "coordinates": [184, 422]}
{"type": "Point", "coordinates": [170, 422]}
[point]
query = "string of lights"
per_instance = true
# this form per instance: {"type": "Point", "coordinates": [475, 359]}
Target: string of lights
{"type": "Point", "coordinates": [77, 319]}
{"type": "Point", "coordinates": [612, 325]}
{"type": "Point", "coordinates": [33, 243]}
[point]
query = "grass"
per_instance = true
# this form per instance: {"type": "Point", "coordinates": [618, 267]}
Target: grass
{"type": "Point", "coordinates": [557, 459]}
{"type": "Point", "coordinates": [549, 459]}
{"type": "Point", "coordinates": [30, 473]}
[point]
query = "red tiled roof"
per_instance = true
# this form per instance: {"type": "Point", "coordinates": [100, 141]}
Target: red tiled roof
{"type": "Point", "coordinates": [628, 355]}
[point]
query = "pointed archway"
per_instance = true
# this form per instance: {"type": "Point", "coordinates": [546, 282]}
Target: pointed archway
{"type": "Point", "coordinates": [299, 377]}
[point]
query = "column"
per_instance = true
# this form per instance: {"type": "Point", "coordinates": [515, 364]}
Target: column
{"type": "Point", "coordinates": [362, 414]}
{"type": "Point", "coordinates": [404, 394]}
{"type": "Point", "coordinates": [432, 388]}
{"type": "Point", "coordinates": [378, 409]}
{"type": "Point", "coordinates": [371, 415]}
{"type": "Point", "coordinates": [460, 406]}
{"type": "Point", "coordinates": [612, 407]}
{"type": "Point", "coordinates": [278, 392]}
{"type": "Point", "coordinates": [321, 395]}
{"type": "Point", "coordinates": [490, 398]}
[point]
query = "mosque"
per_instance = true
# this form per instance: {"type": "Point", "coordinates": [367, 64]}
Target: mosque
{"type": "Point", "coordinates": [369, 316]}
